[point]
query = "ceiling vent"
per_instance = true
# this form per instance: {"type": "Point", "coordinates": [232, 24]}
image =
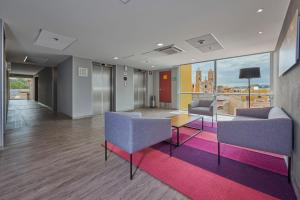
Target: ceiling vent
{"type": "Point", "coordinates": [35, 60]}
{"type": "Point", "coordinates": [206, 43]}
{"type": "Point", "coordinates": [169, 50]}
{"type": "Point", "coordinates": [53, 40]}
{"type": "Point", "coordinates": [125, 1]}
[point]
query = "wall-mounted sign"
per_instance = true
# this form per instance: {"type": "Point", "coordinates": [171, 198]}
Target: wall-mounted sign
{"type": "Point", "coordinates": [83, 72]}
{"type": "Point", "coordinates": [125, 76]}
{"type": "Point", "coordinates": [174, 78]}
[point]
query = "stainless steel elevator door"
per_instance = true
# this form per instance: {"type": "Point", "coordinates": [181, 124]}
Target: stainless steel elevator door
{"type": "Point", "coordinates": [139, 88]}
{"type": "Point", "coordinates": [101, 89]}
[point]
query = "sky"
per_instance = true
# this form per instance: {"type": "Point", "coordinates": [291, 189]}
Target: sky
{"type": "Point", "coordinates": [228, 70]}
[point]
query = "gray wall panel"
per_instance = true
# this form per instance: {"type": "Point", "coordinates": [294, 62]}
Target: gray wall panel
{"type": "Point", "coordinates": [124, 94]}
{"type": "Point", "coordinates": [82, 89]}
{"type": "Point", "coordinates": [45, 87]}
{"type": "Point", "coordinates": [64, 87]}
{"type": "Point", "coordinates": [287, 95]}
{"type": "Point", "coordinates": [2, 85]}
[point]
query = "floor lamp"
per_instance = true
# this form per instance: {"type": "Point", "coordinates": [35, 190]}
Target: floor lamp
{"type": "Point", "coordinates": [249, 73]}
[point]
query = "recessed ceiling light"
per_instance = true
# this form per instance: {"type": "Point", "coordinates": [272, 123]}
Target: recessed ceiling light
{"type": "Point", "coordinates": [160, 44]}
{"type": "Point", "coordinates": [260, 10]}
{"type": "Point", "coordinates": [152, 66]}
{"type": "Point", "coordinates": [260, 32]}
{"type": "Point", "coordinates": [193, 59]}
{"type": "Point", "coordinates": [116, 58]}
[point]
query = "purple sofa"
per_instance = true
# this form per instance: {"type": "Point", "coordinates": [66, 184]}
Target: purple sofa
{"type": "Point", "coordinates": [131, 132]}
{"type": "Point", "coordinates": [267, 129]}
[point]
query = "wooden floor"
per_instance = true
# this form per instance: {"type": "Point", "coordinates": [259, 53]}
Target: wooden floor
{"type": "Point", "coordinates": [49, 156]}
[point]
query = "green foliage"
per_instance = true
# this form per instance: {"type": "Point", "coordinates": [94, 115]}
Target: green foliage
{"type": "Point", "coordinates": [19, 84]}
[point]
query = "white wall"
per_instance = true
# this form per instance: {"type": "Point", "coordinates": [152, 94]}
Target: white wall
{"type": "Point", "coordinates": [82, 89]}
{"type": "Point", "coordinates": [64, 87]}
{"type": "Point", "coordinates": [124, 95]}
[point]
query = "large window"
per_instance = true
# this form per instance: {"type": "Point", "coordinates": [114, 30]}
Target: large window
{"type": "Point", "coordinates": [205, 80]}
{"type": "Point", "coordinates": [232, 92]}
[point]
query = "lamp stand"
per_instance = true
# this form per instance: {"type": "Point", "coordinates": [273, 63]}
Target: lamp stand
{"type": "Point", "coordinates": [249, 87]}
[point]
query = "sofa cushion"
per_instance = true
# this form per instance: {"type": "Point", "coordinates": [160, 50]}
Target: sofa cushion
{"type": "Point", "coordinates": [276, 113]}
{"type": "Point", "coordinates": [201, 111]}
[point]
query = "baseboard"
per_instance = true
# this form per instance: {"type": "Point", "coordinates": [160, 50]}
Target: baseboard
{"type": "Point", "coordinates": [45, 106]}
{"type": "Point", "coordinates": [295, 185]}
{"type": "Point", "coordinates": [81, 117]}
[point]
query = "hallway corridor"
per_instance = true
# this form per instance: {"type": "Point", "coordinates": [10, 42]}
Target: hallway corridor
{"type": "Point", "coordinates": [29, 113]}
{"type": "Point", "coordinates": [49, 156]}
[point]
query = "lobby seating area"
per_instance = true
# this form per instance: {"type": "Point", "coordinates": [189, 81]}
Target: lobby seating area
{"type": "Point", "coordinates": [150, 100]}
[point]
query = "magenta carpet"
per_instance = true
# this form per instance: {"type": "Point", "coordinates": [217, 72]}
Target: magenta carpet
{"type": "Point", "coordinates": [193, 170]}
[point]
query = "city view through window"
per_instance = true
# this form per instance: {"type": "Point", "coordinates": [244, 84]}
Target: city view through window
{"type": "Point", "coordinates": [230, 91]}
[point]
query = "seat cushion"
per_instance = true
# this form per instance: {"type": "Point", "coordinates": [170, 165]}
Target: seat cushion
{"type": "Point", "coordinates": [201, 111]}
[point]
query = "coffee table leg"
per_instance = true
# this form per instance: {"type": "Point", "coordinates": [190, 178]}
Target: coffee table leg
{"type": "Point", "coordinates": [202, 123]}
{"type": "Point", "coordinates": [177, 136]}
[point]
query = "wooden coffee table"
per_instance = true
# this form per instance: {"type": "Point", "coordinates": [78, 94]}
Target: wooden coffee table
{"type": "Point", "coordinates": [182, 120]}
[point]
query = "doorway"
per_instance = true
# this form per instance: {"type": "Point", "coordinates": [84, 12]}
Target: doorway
{"type": "Point", "coordinates": [20, 88]}
{"type": "Point", "coordinates": [36, 88]}
{"type": "Point", "coordinates": [165, 87]}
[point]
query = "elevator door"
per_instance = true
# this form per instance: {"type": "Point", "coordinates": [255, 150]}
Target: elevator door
{"type": "Point", "coordinates": [102, 89]}
{"type": "Point", "coordinates": [139, 88]}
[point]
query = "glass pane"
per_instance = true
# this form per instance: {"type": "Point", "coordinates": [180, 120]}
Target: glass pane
{"type": "Point", "coordinates": [232, 92]}
{"type": "Point", "coordinates": [203, 77]}
{"type": "Point", "coordinates": [20, 88]}
{"type": "Point", "coordinates": [197, 81]}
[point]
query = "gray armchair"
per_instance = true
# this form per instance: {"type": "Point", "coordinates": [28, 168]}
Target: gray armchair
{"type": "Point", "coordinates": [267, 129]}
{"type": "Point", "coordinates": [131, 132]}
{"type": "Point", "coordinates": [202, 107]}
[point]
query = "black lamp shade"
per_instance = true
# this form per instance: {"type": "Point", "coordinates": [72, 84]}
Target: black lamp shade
{"type": "Point", "coordinates": [253, 72]}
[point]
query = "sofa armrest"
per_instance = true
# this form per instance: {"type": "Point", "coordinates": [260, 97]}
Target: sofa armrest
{"type": "Point", "coordinates": [194, 104]}
{"type": "Point", "coordinates": [149, 131]}
{"type": "Point", "coordinates": [272, 135]}
{"type": "Point", "coordinates": [261, 113]}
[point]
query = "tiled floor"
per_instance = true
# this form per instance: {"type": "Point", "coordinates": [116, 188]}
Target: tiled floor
{"type": "Point", "coordinates": [49, 156]}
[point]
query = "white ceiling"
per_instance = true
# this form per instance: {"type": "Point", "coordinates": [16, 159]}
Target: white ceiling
{"type": "Point", "coordinates": [25, 69]}
{"type": "Point", "coordinates": [108, 28]}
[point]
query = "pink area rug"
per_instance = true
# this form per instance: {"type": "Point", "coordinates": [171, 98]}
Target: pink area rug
{"type": "Point", "coordinates": [193, 170]}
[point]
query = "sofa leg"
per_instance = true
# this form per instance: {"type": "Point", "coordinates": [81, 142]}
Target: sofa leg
{"type": "Point", "coordinates": [105, 144]}
{"type": "Point", "coordinates": [219, 158]}
{"type": "Point", "coordinates": [131, 175]}
{"type": "Point", "coordinates": [289, 168]}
